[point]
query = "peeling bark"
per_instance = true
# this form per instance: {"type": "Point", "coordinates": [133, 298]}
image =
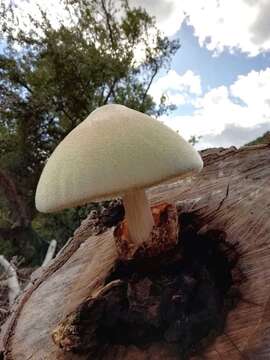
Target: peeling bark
{"type": "Point", "coordinates": [232, 194]}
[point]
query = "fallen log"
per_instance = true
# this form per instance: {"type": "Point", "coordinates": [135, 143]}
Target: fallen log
{"type": "Point", "coordinates": [231, 194]}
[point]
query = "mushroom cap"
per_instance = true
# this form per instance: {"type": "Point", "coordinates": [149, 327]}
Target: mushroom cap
{"type": "Point", "coordinates": [114, 150]}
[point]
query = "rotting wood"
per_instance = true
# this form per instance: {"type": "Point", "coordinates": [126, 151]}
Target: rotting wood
{"type": "Point", "coordinates": [163, 236]}
{"type": "Point", "coordinates": [232, 193]}
{"type": "Point", "coordinates": [180, 297]}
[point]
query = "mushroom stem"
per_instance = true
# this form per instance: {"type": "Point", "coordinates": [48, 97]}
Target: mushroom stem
{"type": "Point", "coordinates": [139, 216]}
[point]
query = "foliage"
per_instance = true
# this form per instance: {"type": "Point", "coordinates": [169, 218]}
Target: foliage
{"type": "Point", "coordinates": [52, 77]}
{"type": "Point", "coordinates": [193, 140]}
{"type": "Point", "coordinates": [264, 139]}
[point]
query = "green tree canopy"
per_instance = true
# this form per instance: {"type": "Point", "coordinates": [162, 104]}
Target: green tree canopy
{"type": "Point", "coordinates": [53, 76]}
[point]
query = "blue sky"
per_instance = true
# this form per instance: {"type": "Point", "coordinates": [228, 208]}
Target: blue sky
{"type": "Point", "coordinates": [220, 77]}
{"type": "Point", "coordinates": [215, 71]}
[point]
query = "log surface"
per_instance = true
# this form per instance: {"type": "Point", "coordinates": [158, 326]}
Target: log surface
{"type": "Point", "coordinates": [232, 193]}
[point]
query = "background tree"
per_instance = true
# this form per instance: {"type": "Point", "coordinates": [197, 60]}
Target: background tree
{"type": "Point", "coordinates": [264, 139]}
{"type": "Point", "coordinates": [51, 78]}
{"type": "Point", "coordinates": [193, 140]}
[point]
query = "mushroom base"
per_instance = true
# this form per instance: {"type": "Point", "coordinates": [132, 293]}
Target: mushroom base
{"type": "Point", "coordinates": [163, 237]}
{"type": "Point", "coordinates": [176, 302]}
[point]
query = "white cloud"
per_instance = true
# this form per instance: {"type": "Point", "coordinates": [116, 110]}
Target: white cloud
{"type": "Point", "coordinates": [177, 88]}
{"type": "Point", "coordinates": [218, 24]}
{"type": "Point", "coordinates": [234, 134]}
{"type": "Point", "coordinates": [224, 24]}
{"type": "Point", "coordinates": [238, 24]}
{"type": "Point", "coordinates": [244, 104]}
{"type": "Point", "coordinates": [254, 89]}
{"type": "Point", "coordinates": [168, 13]}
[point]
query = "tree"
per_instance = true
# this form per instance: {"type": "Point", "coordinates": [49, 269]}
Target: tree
{"type": "Point", "coordinates": [264, 139]}
{"type": "Point", "coordinates": [193, 140]}
{"type": "Point", "coordinates": [53, 76]}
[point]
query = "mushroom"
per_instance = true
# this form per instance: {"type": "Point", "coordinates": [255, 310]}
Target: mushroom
{"type": "Point", "coordinates": [115, 151]}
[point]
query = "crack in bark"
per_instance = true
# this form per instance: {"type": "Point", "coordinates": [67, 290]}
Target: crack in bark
{"type": "Point", "coordinates": [225, 197]}
{"type": "Point", "coordinates": [235, 346]}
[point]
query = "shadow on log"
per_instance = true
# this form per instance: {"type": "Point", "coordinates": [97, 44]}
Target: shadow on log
{"type": "Point", "coordinates": [233, 194]}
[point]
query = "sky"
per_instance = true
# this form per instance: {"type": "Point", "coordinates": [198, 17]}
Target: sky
{"type": "Point", "coordinates": [220, 78]}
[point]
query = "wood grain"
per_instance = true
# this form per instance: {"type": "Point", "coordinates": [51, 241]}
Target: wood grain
{"type": "Point", "coordinates": [231, 193]}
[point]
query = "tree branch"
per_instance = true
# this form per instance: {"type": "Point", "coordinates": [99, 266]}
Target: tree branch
{"type": "Point", "coordinates": [23, 84]}
{"type": "Point", "coordinates": [149, 84]}
{"type": "Point", "coordinates": [110, 92]}
{"type": "Point", "coordinates": [12, 281]}
{"type": "Point", "coordinates": [107, 17]}
{"type": "Point", "coordinates": [50, 252]}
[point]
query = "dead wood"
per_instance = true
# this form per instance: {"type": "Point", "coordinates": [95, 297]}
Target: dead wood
{"type": "Point", "coordinates": [231, 194]}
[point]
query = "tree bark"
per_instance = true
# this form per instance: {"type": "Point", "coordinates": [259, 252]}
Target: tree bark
{"type": "Point", "coordinates": [232, 193]}
{"type": "Point", "coordinates": [17, 206]}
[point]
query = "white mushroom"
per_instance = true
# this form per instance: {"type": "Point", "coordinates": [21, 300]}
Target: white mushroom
{"type": "Point", "coordinates": [116, 151]}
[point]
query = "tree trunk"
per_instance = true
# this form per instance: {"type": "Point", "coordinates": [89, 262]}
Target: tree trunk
{"type": "Point", "coordinates": [232, 193]}
{"type": "Point", "coordinates": [18, 208]}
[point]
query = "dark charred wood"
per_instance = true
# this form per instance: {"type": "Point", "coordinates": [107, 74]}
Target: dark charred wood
{"type": "Point", "coordinates": [180, 297]}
